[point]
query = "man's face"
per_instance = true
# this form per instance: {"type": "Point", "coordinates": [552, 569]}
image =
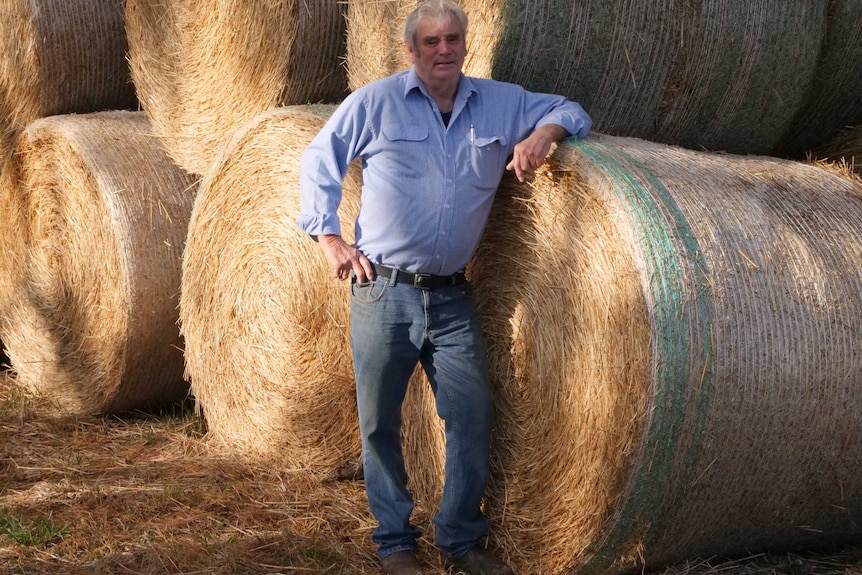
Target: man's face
{"type": "Point", "coordinates": [440, 50]}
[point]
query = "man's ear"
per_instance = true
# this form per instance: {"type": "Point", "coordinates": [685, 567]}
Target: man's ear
{"type": "Point", "coordinates": [410, 53]}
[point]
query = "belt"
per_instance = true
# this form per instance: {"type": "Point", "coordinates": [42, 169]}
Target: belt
{"type": "Point", "coordinates": [421, 281]}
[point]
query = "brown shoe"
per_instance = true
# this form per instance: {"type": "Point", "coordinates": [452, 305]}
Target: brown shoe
{"type": "Point", "coordinates": [401, 563]}
{"type": "Point", "coordinates": [478, 561]}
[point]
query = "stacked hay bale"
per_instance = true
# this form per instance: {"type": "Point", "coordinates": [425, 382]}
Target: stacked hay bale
{"type": "Point", "coordinates": [834, 96]}
{"type": "Point", "coordinates": [202, 70]}
{"type": "Point", "coordinates": [719, 75]}
{"type": "Point", "coordinates": [845, 147]}
{"type": "Point", "coordinates": [675, 357]}
{"type": "Point", "coordinates": [60, 57]}
{"type": "Point", "coordinates": [96, 217]}
{"type": "Point", "coordinates": [266, 328]}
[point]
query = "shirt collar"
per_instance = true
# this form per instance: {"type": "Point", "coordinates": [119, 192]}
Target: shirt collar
{"type": "Point", "coordinates": [465, 86]}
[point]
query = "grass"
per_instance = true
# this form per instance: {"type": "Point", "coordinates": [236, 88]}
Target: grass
{"type": "Point", "coordinates": [41, 532]}
{"type": "Point", "coordinates": [147, 495]}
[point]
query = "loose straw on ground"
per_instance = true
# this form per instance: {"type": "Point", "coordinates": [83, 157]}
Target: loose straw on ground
{"type": "Point", "coordinates": [202, 69]}
{"type": "Point", "coordinates": [266, 326]}
{"type": "Point", "coordinates": [97, 215]}
{"type": "Point", "coordinates": [674, 346]}
{"type": "Point", "coordinates": [60, 57]}
{"type": "Point", "coordinates": [718, 74]}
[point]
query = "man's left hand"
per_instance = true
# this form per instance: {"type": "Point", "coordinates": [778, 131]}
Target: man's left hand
{"type": "Point", "coordinates": [530, 153]}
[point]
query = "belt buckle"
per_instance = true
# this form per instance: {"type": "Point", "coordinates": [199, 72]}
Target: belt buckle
{"type": "Point", "coordinates": [422, 281]}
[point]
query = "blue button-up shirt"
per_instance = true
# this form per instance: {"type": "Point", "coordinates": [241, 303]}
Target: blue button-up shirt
{"type": "Point", "coordinates": [427, 188]}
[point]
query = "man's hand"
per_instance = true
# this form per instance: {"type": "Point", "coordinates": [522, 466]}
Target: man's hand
{"type": "Point", "coordinates": [344, 258]}
{"type": "Point", "coordinates": [531, 152]}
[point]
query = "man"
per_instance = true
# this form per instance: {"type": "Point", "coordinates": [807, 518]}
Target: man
{"type": "Point", "coordinates": [434, 144]}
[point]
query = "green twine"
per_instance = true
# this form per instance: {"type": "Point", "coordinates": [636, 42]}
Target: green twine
{"type": "Point", "coordinates": [659, 223]}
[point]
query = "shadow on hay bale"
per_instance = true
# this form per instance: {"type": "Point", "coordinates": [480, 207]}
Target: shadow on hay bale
{"type": "Point", "coordinates": [845, 147]}
{"type": "Point", "coordinates": [744, 77]}
{"type": "Point", "coordinates": [266, 327]}
{"type": "Point", "coordinates": [674, 345]}
{"type": "Point", "coordinates": [202, 69]}
{"type": "Point", "coordinates": [60, 57]}
{"type": "Point", "coordinates": [97, 216]}
{"type": "Point", "coordinates": [833, 99]}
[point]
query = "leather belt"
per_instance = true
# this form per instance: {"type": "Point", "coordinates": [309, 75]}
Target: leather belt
{"type": "Point", "coordinates": [421, 281]}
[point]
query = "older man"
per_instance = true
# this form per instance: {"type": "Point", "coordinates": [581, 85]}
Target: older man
{"type": "Point", "coordinates": [434, 145]}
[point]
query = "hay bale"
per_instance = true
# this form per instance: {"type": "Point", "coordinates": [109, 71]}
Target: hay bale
{"type": "Point", "coordinates": [202, 69]}
{"type": "Point", "coordinates": [675, 353]}
{"type": "Point", "coordinates": [60, 57]}
{"type": "Point", "coordinates": [266, 327]}
{"type": "Point", "coordinates": [834, 97]}
{"type": "Point", "coordinates": [845, 147]}
{"type": "Point", "coordinates": [97, 215]}
{"type": "Point", "coordinates": [718, 74]}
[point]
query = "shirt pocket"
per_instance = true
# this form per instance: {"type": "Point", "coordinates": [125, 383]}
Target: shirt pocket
{"type": "Point", "coordinates": [487, 159]}
{"type": "Point", "coordinates": [407, 153]}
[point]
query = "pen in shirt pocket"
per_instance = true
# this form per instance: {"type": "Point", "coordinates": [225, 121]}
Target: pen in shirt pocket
{"type": "Point", "coordinates": [472, 134]}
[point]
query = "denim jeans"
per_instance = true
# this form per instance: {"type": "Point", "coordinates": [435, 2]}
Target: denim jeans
{"type": "Point", "coordinates": [394, 325]}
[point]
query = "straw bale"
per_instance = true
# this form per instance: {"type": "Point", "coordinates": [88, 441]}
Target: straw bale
{"type": "Point", "coordinates": [203, 69]}
{"type": "Point", "coordinates": [845, 146]}
{"type": "Point", "coordinates": [266, 327]}
{"type": "Point", "coordinates": [674, 345]}
{"type": "Point", "coordinates": [834, 97]}
{"type": "Point", "coordinates": [97, 215]}
{"type": "Point", "coordinates": [717, 74]}
{"type": "Point", "coordinates": [60, 57]}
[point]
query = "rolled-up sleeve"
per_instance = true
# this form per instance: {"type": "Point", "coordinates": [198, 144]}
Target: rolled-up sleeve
{"type": "Point", "coordinates": [571, 116]}
{"type": "Point", "coordinates": [322, 168]}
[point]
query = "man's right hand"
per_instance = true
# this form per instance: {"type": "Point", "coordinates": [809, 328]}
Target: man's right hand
{"type": "Point", "coordinates": [344, 258]}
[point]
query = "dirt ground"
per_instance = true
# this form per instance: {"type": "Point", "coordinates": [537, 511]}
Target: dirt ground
{"type": "Point", "coordinates": [145, 494]}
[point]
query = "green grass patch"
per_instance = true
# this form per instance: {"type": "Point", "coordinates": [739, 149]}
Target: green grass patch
{"type": "Point", "coordinates": [41, 532]}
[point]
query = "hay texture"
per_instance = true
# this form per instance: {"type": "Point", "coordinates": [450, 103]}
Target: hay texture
{"type": "Point", "coordinates": [845, 147]}
{"type": "Point", "coordinates": [203, 69]}
{"type": "Point", "coordinates": [674, 346]}
{"type": "Point", "coordinates": [717, 74]}
{"type": "Point", "coordinates": [97, 215]}
{"type": "Point", "coordinates": [266, 327]}
{"type": "Point", "coordinates": [60, 57]}
{"type": "Point", "coordinates": [834, 96]}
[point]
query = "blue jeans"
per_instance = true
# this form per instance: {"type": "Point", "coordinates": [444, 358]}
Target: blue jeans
{"type": "Point", "coordinates": [394, 325]}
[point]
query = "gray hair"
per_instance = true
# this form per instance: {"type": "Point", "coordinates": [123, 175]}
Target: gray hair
{"type": "Point", "coordinates": [434, 8]}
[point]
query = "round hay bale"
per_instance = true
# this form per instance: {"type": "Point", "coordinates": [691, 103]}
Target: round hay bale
{"type": "Point", "coordinates": [60, 57]}
{"type": "Point", "coordinates": [834, 97]}
{"type": "Point", "coordinates": [203, 69]}
{"type": "Point", "coordinates": [675, 352]}
{"type": "Point", "coordinates": [846, 147]}
{"type": "Point", "coordinates": [717, 74]}
{"type": "Point", "coordinates": [266, 327]}
{"type": "Point", "coordinates": [97, 218]}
